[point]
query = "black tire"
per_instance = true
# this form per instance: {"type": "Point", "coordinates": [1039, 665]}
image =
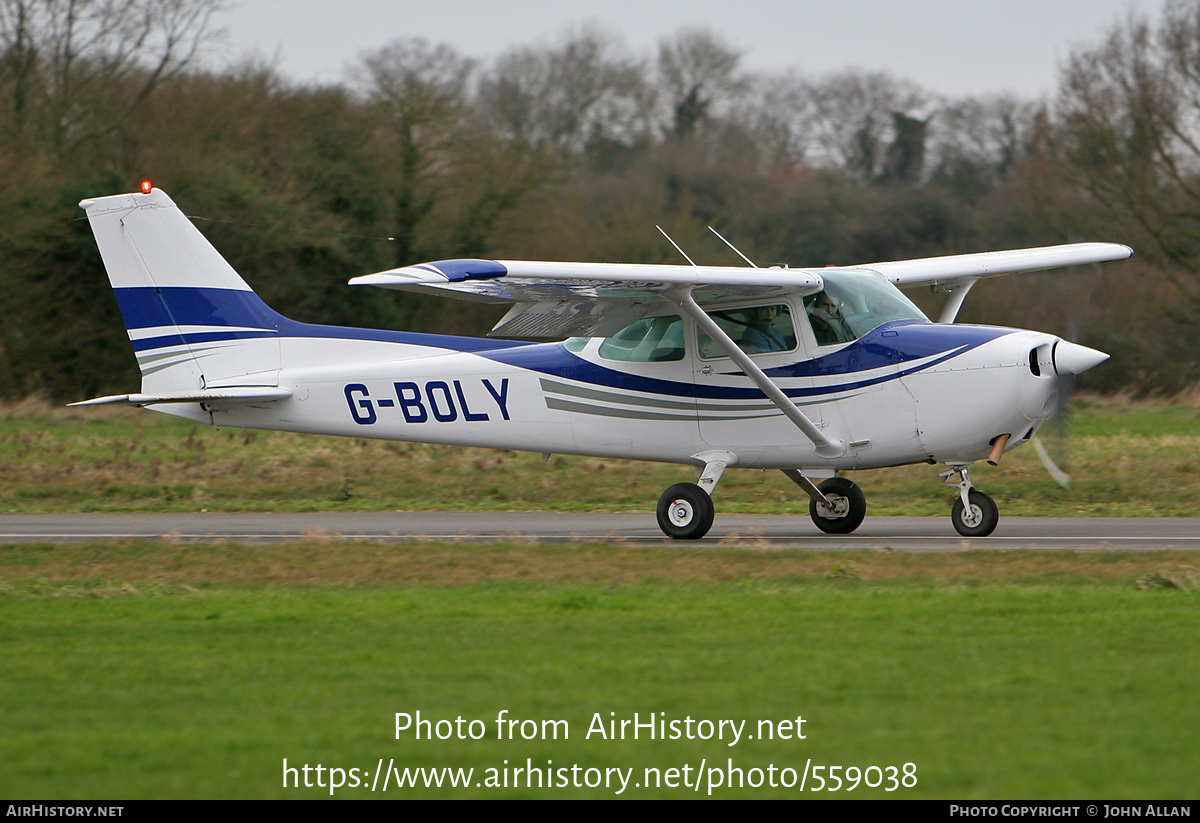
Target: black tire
{"type": "Point", "coordinates": [848, 509]}
{"type": "Point", "coordinates": [984, 515]}
{"type": "Point", "coordinates": [685, 512]}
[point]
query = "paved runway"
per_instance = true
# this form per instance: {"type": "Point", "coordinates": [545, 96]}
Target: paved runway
{"type": "Point", "coordinates": [773, 531]}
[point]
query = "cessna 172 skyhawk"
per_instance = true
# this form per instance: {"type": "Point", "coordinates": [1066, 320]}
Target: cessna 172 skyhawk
{"type": "Point", "coordinates": [810, 371]}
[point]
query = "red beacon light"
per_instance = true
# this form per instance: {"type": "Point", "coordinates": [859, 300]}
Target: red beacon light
{"type": "Point", "coordinates": [147, 187]}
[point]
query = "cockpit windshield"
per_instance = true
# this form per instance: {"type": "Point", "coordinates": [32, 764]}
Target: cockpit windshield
{"type": "Point", "coordinates": [853, 303]}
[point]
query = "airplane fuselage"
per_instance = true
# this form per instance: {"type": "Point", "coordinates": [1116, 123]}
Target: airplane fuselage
{"type": "Point", "coordinates": [906, 392]}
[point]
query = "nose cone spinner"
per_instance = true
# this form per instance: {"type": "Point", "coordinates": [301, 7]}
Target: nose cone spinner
{"type": "Point", "coordinates": [1072, 358]}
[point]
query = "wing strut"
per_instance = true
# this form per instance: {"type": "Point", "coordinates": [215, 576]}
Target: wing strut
{"type": "Point", "coordinates": [958, 293]}
{"type": "Point", "coordinates": [826, 447]}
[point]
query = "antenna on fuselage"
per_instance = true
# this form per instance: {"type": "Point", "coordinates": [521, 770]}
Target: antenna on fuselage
{"type": "Point", "coordinates": [676, 245]}
{"type": "Point", "coordinates": [735, 249]}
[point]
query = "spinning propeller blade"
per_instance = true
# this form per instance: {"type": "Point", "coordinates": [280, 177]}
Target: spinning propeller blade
{"type": "Point", "coordinates": [1070, 359]}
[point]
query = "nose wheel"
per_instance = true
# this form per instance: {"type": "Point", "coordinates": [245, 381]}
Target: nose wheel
{"type": "Point", "coordinates": [974, 513]}
{"type": "Point", "coordinates": [978, 519]}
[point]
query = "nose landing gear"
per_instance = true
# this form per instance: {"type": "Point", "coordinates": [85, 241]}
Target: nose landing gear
{"type": "Point", "coordinates": [974, 513]}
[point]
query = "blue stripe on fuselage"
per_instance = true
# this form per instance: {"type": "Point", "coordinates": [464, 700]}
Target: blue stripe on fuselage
{"type": "Point", "coordinates": [891, 344]}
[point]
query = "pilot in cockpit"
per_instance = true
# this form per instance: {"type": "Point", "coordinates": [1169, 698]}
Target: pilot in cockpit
{"type": "Point", "coordinates": [828, 322]}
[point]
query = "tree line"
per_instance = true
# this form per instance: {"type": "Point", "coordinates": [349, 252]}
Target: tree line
{"type": "Point", "coordinates": [575, 150]}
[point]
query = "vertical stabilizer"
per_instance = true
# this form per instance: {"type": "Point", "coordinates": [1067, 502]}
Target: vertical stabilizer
{"type": "Point", "coordinates": [193, 321]}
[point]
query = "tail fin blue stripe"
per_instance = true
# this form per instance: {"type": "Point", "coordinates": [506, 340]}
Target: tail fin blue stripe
{"type": "Point", "coordinates": [148, 307]}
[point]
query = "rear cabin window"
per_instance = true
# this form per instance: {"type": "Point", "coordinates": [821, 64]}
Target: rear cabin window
{"type": "Point", "coordinates": [646, 341]}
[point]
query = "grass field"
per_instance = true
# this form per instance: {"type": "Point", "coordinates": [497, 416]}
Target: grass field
{"type": "Point", "coordinates": [1126, 458]}
{"type": "Point", "coordinates": [145, 670]}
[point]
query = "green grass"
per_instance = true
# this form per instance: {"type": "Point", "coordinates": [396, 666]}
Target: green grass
{"type": "Point", "coordinates": [141, 670]}
{"type": "Point", "coordinates": [1127, 459]}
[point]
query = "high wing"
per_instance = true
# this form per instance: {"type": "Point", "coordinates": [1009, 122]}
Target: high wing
{"type": "Point", "coordinates": [554, 299]}
{"type": "Point", "coordinates": [993, 263]}
{"type": "Point", "coordinates": [957, 273]}
{"type": "Point", "coordinates": [592, 299]}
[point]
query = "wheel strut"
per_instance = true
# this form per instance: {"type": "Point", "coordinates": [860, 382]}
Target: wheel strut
{"type": "Point", "coordinates": [964, 484]}
{"type": "Point", "coordinates": [810, 488]}
{"type": "Point", "coordinates": [685, 511]}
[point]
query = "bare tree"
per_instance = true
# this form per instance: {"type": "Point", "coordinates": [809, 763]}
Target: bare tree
{"type": "Point", "coordinates": [981, 138]}
{"type": "Point", "coordinates": [73, 69]}
{"type": "Point", "coordinates": [577, 94]}
{"type": "Point", "coordinates": [854, 118]}
{"type": "Point", "coordinates": [417, 83]}
{"type": "Point", "coordinates": [420, 93]}
{"type": "Point", "coordinates": [697, 70]}
{"type": "Point", "coordinates": [779, 112]}
{"type": "Point", "coordinates": [1129, 132]}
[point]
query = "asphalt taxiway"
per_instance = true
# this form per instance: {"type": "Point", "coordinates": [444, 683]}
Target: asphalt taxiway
{"type": "Point", "coordinates": [637, 528]}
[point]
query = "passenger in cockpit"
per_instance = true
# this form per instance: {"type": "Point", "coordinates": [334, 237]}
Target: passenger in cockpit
{"type": "Point", "coordinates": [761, 334]}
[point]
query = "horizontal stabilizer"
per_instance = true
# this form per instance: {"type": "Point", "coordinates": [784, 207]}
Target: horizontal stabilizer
{"type": "Point", "coordinates": [235, 394]}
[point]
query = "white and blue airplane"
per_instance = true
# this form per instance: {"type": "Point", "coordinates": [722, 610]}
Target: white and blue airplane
{"type": "Point", "coordinates": [809, 371]}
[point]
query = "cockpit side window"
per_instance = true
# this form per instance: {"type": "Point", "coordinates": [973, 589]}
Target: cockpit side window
{"type": "Point", "coordinates": [755, 329]}
{"type": "Point", "coordinates": [652, 339]}
{"type": "Point", "coordinates": [852, 304]}
{"type": "Point", "coordinates": [825, 313]}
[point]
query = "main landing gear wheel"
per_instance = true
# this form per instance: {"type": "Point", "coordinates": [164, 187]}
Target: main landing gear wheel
{"type": "Point", "coordinates": [685, 512]}
{"type": "Point", "coordinates": [977, 520]}
{"type": "Point", "coordinates": [845, 510]}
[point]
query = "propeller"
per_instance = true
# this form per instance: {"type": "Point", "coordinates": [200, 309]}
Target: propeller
{"type": "Point", "coordinates": [1056, 432]}
{"type": "Point", "coordinates": [1068, 359]}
